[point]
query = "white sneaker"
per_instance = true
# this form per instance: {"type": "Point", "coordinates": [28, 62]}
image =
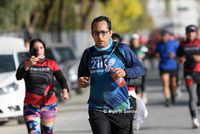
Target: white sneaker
{"type": "Point", "coordinates": [179, 93]}
{"type": "Point", "coordinates": [195, 123]}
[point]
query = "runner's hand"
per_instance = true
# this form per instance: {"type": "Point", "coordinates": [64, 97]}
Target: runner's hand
{"type": "Point", "coordinates": [32, 61]}
{"type": "Point", "coordinates": [171, 55]}
{"type": "Point", "coordinates": [83, 82]}
{"type": "Point", "coordinates": [158, 56]}
{"type": "Point", "coordinates": [196, 58]}
{"type": "Point", "coordinates": [118, 72]}
{"type": "Point", "coordinates": [182, 59]}
{"type": "Point", "coordinates": [65, 94]}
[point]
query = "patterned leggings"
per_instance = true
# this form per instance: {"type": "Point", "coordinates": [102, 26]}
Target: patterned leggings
{"type": "Point", "coordinates": [40, 116]}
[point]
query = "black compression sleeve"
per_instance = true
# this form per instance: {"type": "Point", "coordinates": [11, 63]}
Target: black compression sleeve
{"type": "Point", "coordinates": [21, 72]}
{"type": "Point", "coordinates": [61, 79]}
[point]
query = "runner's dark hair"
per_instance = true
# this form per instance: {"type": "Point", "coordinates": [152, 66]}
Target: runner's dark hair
{"type": "Point", "coordinates": [36, 40]}
{"type": "Point", "coordinates": [101, 18]}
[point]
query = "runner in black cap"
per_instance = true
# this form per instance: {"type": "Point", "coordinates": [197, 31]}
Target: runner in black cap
{"type": "Point", "coordinates": [189, 54]}
{"type": "Point", "coordinates": [191, 28]}
{"type": "Point", "coordinates": [166, 52]}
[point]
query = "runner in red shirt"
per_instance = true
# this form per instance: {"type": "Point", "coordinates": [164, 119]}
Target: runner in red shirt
{"type": "Point", "coordinates": [189, 54]}
{"type": "Point", "coordinates": [40, 107]}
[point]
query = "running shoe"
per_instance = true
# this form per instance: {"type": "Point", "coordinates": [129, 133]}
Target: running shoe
{"type": "Point", "coordinates": [195, 123]}
{"type": "Point", "coordinates": [167, 103]}
{"type": "Point", "coordinates": [178, 92]}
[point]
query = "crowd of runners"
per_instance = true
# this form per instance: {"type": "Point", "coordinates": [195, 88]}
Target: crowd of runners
{"type": "Point", "coordinates": [115, 71]}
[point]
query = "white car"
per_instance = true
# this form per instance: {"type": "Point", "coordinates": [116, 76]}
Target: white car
{"type": "Point", "coordinates": [12, 92]}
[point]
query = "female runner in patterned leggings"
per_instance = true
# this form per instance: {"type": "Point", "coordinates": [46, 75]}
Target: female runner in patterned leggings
{"type": "Point", "coordinates": [40, 107]}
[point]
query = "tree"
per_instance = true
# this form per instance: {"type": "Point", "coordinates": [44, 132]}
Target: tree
{"type": "Point", "coordinates": [122, 13]}
{"type": "Point", "coordinates": [83, 8]}
{"type": "Point", "coordinates": [48, 12]}
{"type": "Point", "coordinates": [144, 21]}
{"type": "Point", "coordinates": [64, 15]}
{"type": "Point", "coordinates": [45, 15]}
{"type": "Point", "coordinates": [14, 12]}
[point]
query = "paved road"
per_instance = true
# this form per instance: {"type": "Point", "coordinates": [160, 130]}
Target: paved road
{"type": "Point", "coordinates": [162, 120]}
{"type": "Point", "coordinates": [72, 115]}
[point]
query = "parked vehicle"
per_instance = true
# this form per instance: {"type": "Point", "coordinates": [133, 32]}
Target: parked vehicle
{"type": "Point", "coordinates": [68, 63]}
{"type": "Point", "coordinates": [12, 92]}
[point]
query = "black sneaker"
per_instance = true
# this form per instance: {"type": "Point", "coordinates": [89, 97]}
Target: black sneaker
{"type": "Point", "coordinates": [167, 103]}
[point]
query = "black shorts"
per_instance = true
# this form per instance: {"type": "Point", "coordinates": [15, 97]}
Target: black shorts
{"type": "Point", "coordinates": [106, 123]}
{"type": "Point", "coordinates": [172, 73]}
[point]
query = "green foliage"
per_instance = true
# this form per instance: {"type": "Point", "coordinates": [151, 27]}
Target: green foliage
{"type": "Point", "coordinates": [125, 15]}
{"type": "Point", "coordinates": [143, 21]}
{"type": "Point", "coordinates": [69, 16]}
{"type": "Point", "coordinates": [122, 13]}
{"type": "Point", "coordinates": [13, 12]}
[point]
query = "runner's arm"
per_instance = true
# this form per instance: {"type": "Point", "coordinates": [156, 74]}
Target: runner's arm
{"type": "Point", "coordinates": [134, 66]}
{"type": "Point", "coordinates": [21, 72]}
{"type": "Point", "coordinates": [61, 79]}
{"type": "Point", "coordinates": [83, 69]}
